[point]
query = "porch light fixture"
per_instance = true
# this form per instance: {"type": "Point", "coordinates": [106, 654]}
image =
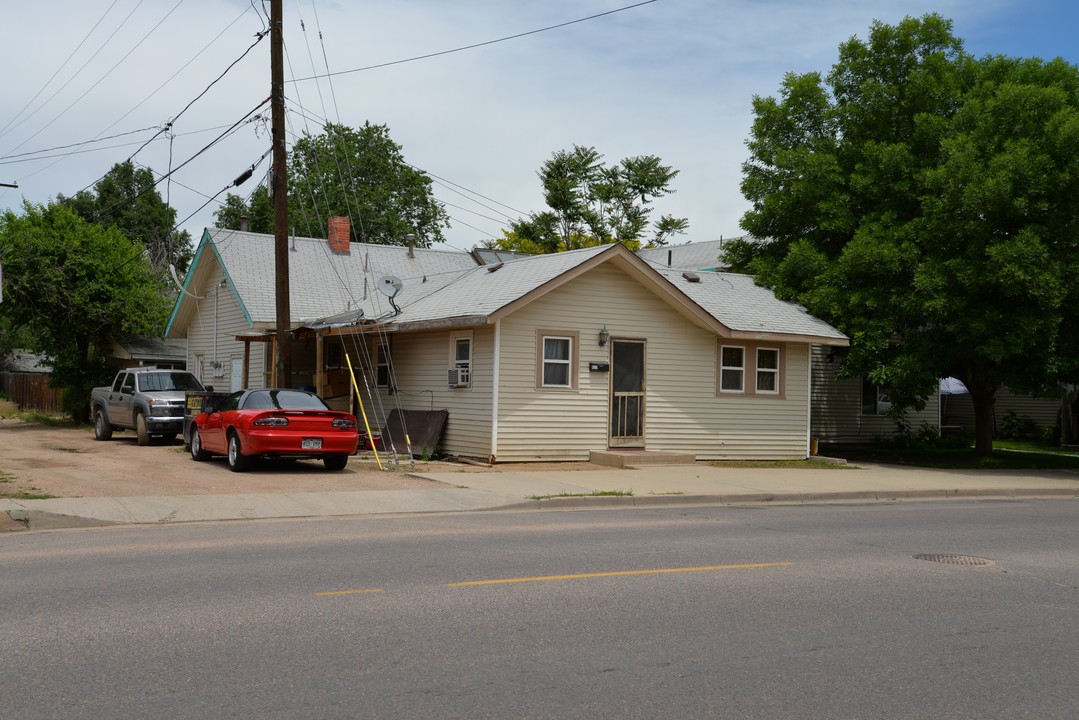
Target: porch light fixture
{"type": "Point", "coordinates": [604, 336]}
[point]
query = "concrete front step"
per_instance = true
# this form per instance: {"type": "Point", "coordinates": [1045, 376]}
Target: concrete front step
{"type": "Point", "coordinates": [637, 458]}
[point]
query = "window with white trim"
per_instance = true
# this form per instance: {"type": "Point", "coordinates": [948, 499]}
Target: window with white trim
{"type": "Point", "coordinates": [732, 368]}
{"type": "Point", "coordinates": [768, 371]}
{"type": "Point", "coordinates": [460, 360]}
{"type": "Point", "coordinates": [557, 362]}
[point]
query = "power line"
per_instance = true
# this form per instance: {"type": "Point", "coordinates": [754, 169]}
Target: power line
{"type": "Point", "coordinates": [82, 42]}
{"type": "Point", "coordinates": [477, 45]}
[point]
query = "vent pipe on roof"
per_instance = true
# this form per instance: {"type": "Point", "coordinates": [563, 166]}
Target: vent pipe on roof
{"type": "Point", "coordinates": [670, 257]}
{"type": "Point", "coordinates": [411, 239]}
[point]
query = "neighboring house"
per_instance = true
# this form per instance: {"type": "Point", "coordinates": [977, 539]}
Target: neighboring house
{"type": "Point", "coordinates": [853, 410]}
{"type": "Point", "coordinates": [548, 357]}
{"type": "Point", "coordinates": [139, 350]}
{"type": "Point", "coordinates": [699, 256]}
{"type": "Point", "coordinates": [227, 310]}
{"type": "Point", "coordinates": [24, 379]}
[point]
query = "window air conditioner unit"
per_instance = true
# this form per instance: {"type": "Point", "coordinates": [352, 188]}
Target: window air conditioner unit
{"type": "Point", "coordinates": [458, 377]}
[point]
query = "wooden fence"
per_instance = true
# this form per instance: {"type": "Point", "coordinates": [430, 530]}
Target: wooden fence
{"type": "Point", "coordinates": [31, 391]}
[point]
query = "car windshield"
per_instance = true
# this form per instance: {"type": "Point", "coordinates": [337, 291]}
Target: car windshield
{"type": "Point", "coordinates": [158, 382]}
{"type": "Point", "coordinates": [283, 400]}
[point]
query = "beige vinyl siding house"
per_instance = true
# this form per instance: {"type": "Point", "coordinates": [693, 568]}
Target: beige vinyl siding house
{"type": "Point", "coordinates": [540, 319]}
{"type": "Point", "coordinates": [542, 358]}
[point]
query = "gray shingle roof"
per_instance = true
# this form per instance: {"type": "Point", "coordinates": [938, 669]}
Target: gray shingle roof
{"type": "Point", "coordinates": [322, 282]}
{"type": "Point", "coordinates": [448, 289]}
{"type": "Point", "coordinates": [742, 305]}
{"type": "Point", "coordinates": [688, 256]}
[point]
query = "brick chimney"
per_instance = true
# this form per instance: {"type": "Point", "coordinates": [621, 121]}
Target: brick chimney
{"type": "Point", "coordinates": [339, 234]}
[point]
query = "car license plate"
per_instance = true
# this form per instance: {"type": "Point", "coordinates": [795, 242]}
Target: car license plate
{"type": "Point", "coordinates": [311, 444]}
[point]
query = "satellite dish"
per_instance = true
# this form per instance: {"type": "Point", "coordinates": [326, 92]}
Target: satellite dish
{"type": "Point", "coordinates": [389, 285]}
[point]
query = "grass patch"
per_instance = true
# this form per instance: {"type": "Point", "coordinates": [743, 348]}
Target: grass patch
{"type": "Point", "coordinates": [20, 493]}
{"type": "Point", "coordinates": [32, 494]}
{"type": "Point", "coordinates": [8, 409]}
{"type": "Point", "coordinates": [594, 493]}
{"type": "Point", "coordinates": [801, 464]}
{"type": "Point", "coordinates": [1007, 455]}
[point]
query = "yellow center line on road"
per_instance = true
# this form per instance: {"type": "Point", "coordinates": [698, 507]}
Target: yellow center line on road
{"type": "Point", "coordinates": [617, 573]}
{"type": "Point", "coordinates": [334, 593]}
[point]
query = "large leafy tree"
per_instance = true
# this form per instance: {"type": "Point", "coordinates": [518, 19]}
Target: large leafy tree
{"type": "Point", "coordinates": [590, 203]}
{"type": "Point", "coordinates": [78, 285]}
{"type": "Point", "coordinates": [927, 203]}
{"type": "Point", "coordinates": [127, 198]}
{"type": "Point", "coordinates": [361, 173]}
{"type": "Point", "coordinates": [256, 210]}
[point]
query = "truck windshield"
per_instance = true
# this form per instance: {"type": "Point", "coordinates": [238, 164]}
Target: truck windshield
{"type": "Point", "coordinates": [158, 382]}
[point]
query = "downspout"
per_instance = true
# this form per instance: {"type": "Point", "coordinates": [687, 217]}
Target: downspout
{"type": "Point", "coordinates": [494, 390]}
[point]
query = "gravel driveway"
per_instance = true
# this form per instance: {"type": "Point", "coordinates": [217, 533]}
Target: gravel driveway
{"type": "Point", "coordinates": [68, 462]}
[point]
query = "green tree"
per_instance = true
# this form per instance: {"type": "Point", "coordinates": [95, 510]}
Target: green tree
{"type": "Point", "coordinates": [78, 285]}
{"type": "Point", "coordinates": [927, 204]}
{"type": "Point", "coordinates": [361, 173]}
{"type": "Point", "coordinates": [258, 211]}
{"type": "Point", "coordinates": [126, 198]}
{"type": "Point", "coordinates": [590, 203]}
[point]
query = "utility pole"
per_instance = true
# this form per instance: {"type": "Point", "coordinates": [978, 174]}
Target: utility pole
{"type": "Point", "coordinates": [280, 197]}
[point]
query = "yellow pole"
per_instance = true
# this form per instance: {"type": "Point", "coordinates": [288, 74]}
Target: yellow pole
{"type": "Point", "coordinates": [363, 412]}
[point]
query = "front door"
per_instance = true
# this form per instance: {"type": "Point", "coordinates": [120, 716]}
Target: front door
{"type": "Point", "coordinates": [627, 393]}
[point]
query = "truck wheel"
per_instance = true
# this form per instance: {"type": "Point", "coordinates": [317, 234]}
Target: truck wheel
{"type": "Point", "coordinates": [335, 462]}
{"type": "Point", "coordinates": [238, 462]}
{"type": "Point", "coordinates": [102, 426]}
{"type": "Point", "coordinates": [141, 433]}
{"type": "Point", "coordinates": [197, 453]}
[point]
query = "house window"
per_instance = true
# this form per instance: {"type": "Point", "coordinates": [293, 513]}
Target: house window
{"type": "Point", "coordinates": [557, 361]}
{"type": "Point", "coordinates": [750, 370]}
{"type": "Point", "coordinates": [382, 369]}
{"type": "Point", "coordinates": [732, 368]}
{"type": "Point", "coordinates": [874, 399]}
{"type": "Point", "coordinates": [460, 361]}
{"type": "Point", "coordinates": [768, 371]}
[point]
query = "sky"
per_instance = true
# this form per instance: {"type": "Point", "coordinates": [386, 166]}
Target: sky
{"type": "Point", "coordinates": [89, 84]}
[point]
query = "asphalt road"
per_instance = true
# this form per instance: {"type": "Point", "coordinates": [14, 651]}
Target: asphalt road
{"type": "Point", "coordinates": [705, 612]}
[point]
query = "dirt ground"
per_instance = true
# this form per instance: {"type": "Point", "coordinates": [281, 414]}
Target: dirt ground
{"type": "Point", "coordinates": [68, 462]}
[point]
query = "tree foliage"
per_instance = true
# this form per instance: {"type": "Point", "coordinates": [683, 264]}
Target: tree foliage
{"type": "Point", "coordinates": [127, 198]}
{"type": "Point", "coordinates": [926, 203]}
{"type": "Point", "coordinates": [590, 203]}
{"type": "Point", "coordinates": [360, 173]}
{"type": "Point", "coordinates": [77, 285]}
{"type": "Point", "coordinates": [257, 210]}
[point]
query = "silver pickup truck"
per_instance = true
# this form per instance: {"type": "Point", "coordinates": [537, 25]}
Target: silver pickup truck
{"type": "Point", "coordinates": [148, 400]}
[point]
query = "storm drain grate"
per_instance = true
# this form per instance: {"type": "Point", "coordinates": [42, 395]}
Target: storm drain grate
{"type": "Point", "coordinates": [953, 559]}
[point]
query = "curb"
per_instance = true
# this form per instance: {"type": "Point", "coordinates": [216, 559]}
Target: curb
{"type": "Point", "coordinates": [17, 519]}
{"type": "Point", "coordinates": [596, 502]}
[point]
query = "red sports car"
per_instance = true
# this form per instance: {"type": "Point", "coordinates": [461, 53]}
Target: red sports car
{"type": "Point", "coordinates": [273, 423]}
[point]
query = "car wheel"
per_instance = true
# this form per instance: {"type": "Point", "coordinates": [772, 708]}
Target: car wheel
{"type": "Point", "coordinates": [197, 453]}
{"type": "Point", "coordinates": [102, 426]}
{"type": "Point", "coordinates": [335, 462]}
{"type": "Point", "coordinates": [142, 435]}
{"type": "Point", "coordinates": [238, 462]}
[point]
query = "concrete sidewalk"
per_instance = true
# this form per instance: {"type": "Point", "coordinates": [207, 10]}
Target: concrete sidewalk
{"type": "Point", "coordinates": [555, 489]}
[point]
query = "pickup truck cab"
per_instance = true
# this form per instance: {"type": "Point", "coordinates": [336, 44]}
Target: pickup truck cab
{"type": "Point", "coordinates": [149, 401]}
